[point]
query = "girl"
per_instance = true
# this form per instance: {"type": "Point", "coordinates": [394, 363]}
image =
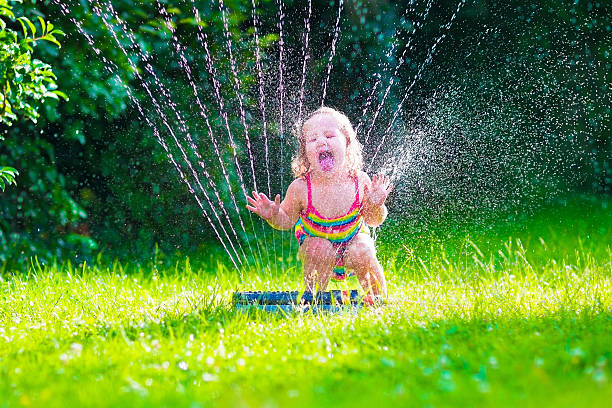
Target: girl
{"type": "Point", "coordinates": [330, 204]}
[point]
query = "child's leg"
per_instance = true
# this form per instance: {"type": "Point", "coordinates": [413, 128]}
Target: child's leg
{"type": "Point", "coordinates": [319, 256]}
{"type": "Point", "coordinates": [360, 255]}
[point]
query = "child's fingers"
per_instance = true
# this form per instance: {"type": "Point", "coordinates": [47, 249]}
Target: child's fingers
{"type": "Point", "coordinates": [251, 200]}
{"type": "Point", "coordinates": [264, 197]}
{"type": "Point", "coordinates": [277, 200]}
{"type": "Point", "coordinates": [252, 209]}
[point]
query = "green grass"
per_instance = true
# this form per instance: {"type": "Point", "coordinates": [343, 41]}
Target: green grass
{"type": "Point", "coordinates": [520, 316]}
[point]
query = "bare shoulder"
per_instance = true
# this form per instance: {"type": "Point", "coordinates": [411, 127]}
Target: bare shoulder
{"type": "Point", "coordinates": [297, 193]}
{"type": "Point", "coordinates": [297, 186]}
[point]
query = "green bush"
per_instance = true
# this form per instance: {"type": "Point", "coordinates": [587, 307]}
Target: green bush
{"type": "Point", "coordinates": [94, 177]}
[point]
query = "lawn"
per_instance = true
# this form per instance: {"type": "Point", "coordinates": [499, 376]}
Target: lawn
{"type": "Point", "coordinates": [516, 315]}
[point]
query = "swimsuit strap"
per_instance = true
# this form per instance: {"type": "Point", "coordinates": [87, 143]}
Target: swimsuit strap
{"type": "Point", "coordinates": [309, 186]}
{"type": "Point", "coordinates": [357, 189]}
{"type": "Point", "coordinates": [309, 193]}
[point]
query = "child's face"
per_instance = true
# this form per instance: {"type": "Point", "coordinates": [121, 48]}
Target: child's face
{"type": "Point", "coordinates": [325, 143]}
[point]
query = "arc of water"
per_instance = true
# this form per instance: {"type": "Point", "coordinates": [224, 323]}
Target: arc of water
{"type": "Point", "coordinates": [368, 103]}
{"type": "Point", "coordinates": [430, 54]}
{"type": "Point", "coordinates": [160, 140]}
{"type": "Point", "coordinates": [262, 106]}
{"type": "Point", "coordinates": [203, 38]}
{"type": "Point", "coordinates": [237, 90]}
{"type": "Point", "coordinates": [281, 130]}
{"type": "Point", "coordinates": [305, 58]}
{"type": "Point", "coordinates": [162, 115]}
{"type": "Point", "coordinates": [173, 107]}
{"type": "Point", "coordinates": [379, 76]}
{"type": "Point", "coordinates": [333, 51]}
{"type": "Point", "coordinates": [397, 67]}
{"type": "Point", "coordinates": [185, 65]}
{"type": "Point", "coordinates": [262, 95]}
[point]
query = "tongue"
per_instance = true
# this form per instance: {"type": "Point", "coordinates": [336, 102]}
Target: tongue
{"type": "Point", "coordinates": [327, 163]}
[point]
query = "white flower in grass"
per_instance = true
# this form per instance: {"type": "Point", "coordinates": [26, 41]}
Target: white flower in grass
{"type": "Point", "coordinates": [599, 376]}
{"type": "Point", "coordinates": [207, 377]}
{"type": "Point", "coordinates": [76, 349]}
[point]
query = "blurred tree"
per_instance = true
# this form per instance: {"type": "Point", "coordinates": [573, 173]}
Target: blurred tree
{"type": "Point", "coordinates": [96, 172]}
{"type": "Point", "coordinates": [24, 80]}
{"type": "Point", "coordinates": [149, 79]}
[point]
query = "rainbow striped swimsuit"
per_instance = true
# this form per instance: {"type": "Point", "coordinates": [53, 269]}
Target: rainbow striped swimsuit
{"type": "Point", "coordinates": [339, 231]}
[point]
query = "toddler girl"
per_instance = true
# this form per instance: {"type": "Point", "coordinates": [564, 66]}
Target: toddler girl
{"type": "Point", "coordinates": [330, 204]}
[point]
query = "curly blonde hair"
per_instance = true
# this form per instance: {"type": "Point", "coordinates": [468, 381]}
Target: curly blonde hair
{"type": "Point", "coordinates": [354, 156]}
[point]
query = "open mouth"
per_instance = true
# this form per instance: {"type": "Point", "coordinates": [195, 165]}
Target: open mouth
{"type": "Point", "coordinates": [326, 160]}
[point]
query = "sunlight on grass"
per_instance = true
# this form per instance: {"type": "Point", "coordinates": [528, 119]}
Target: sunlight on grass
{"type": "Point", "coordinates": [476, 320]}
{"type": "Point", "coordinates": [470, 329]}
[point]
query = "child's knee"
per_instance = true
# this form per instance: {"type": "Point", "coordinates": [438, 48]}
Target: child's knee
{"type": "Point", "coordinates": [318, 249]}
{"type": "Point", "coordinates": [361, 253]}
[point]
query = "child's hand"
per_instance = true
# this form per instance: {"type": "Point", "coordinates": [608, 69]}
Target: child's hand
{"type": "Point", "coordinates": [376, 195]}
{"type": "Point", "coordinates": [263, 206]}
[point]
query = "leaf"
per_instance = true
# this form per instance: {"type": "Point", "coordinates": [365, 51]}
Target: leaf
{"type": "Point", "coordinates": [62, 95]}
{"type": "Point", "coordinates": [47, 73]}
{"type": "Point", "coordinates": [51, 95]}
{"type": "Point", "coordinates": [25, 30]}
{"type": "Point", "coordinates": [43, 25]}
{"type": "Point", "coordinates": [9, 169]}
{"type": "Point", "coordinates": [51, 38]}
{"type": "Point", "coordinates": [7, 175]}
{"type": "Point", "coordinates": [6, 11]}
{"type": "Point", "coordinates": [29, 23]}
{"type": "Point", "coordinates": [188, 20]}
{"type": "Point", "coordinates": [147, 29]}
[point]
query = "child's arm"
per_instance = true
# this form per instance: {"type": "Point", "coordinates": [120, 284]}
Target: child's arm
{"type": "Point", "coordinates": [375, 193]}
{"type": "Point", "coordinates": [280, 215]}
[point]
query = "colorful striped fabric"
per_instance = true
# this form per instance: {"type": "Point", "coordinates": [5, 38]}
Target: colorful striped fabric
{"type": "Point", "coordinates": [339, 231]}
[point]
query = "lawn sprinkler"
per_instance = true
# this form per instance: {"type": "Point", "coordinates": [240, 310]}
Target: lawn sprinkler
{"type": "Point", "coordinates": [289, 301]}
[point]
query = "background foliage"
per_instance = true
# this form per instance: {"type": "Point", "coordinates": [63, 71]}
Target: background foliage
{"type": "Point", "coordinates": [93, 176]}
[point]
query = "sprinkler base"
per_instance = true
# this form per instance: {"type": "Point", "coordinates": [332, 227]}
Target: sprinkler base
{"type": "Point", "coordinates": [289, 301]}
